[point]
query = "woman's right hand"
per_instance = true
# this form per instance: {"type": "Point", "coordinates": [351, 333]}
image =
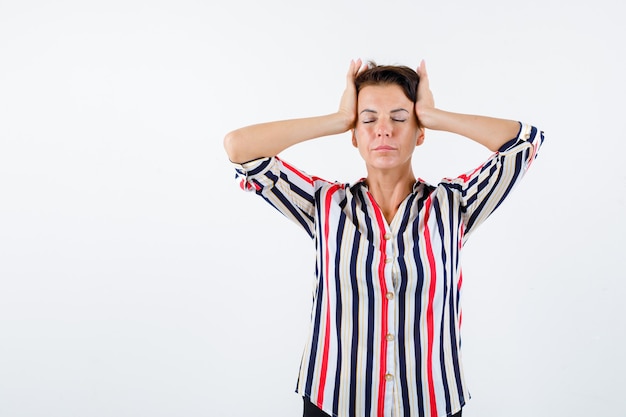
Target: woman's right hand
{"type": "Point", "coordinates": [348, 104]}
{"type": "Point", "coordinates": [425, 103]}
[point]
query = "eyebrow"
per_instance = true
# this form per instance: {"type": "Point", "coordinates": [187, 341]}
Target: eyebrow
{"type": "Point", "coordinates": [392, 111]}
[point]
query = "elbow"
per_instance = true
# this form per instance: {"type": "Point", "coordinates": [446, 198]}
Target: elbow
{"type": "Point", "coordinates": [494, 148]}
{"type": "Point", "coordinates": [232, 147]}
{"type": "Point", "coordinates": [496, 144]}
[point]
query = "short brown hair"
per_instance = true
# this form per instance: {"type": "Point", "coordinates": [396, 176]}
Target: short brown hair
{"type": "Point", "coordinates": [401, 75]}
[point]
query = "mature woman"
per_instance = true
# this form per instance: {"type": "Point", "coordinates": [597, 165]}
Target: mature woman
{"type": "Point", "coordinates": [384, 338]}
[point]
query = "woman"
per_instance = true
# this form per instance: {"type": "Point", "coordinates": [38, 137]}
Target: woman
{"type": "Point", "coordinates": [384, 337]}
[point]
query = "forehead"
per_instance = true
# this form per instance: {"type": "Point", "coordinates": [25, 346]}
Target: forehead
{"type": "Point", "coordinates": [386, 95]}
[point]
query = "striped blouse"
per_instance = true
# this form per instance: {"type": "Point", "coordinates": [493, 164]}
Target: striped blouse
{"type": "Point", "coordinates": [385, 337]}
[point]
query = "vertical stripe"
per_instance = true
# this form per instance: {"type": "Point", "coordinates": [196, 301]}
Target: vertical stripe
{"type": "Point", "coordinates": [369, 324]}
{"type": "Point", "coordinates": [324, 368]}
{"type": "Point", "coordinates": [316, 313]}
{"type": "Point", "coordinates": [458, 265]}
{"type": "Point", "coordinates": [417, 316]}
{"type": "Point", "coordinates": [338, 310]}
{"type": "Point", "coordinates": [384, 307]}
{"type": "Point", "coordinates": [445, 258]}
{"type": "Point", "coordinates": [355, 311]}
{"type": "Point", "coordinates": [429, 310]}
{"type": "Point", "coordinates": [402, 313]}
{"type": "Point", "coordinates": [455, 226]}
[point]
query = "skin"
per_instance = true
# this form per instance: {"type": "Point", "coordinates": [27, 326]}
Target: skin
{"type": "Point", "coordinates": [385, 143]}
{"type": "Point", "coordinates": [386, 134]}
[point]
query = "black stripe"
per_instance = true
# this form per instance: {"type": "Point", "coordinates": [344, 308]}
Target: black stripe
{"type": "Point", "coordinates": [454, 219]}
{"type": "Point", "coordinates": [519, 162]}
{"type": "Point", "coordinates": [339, 308]}
{"type": "Point", "coordinates": [295, 211]}
{"type": "Point", "coordinates": [317, 305]}
{"type": "Point", "coordinates": [262, 166]}
{"type": "Point", "coordinates": [297, 189]}
{"type": "Point", "coordinates": [446, 289]}
{"type": "Point", "coordinates": [419, 296]}
{"type": "Point", "coordinates": [400, 335]}
{"type": "Point", "coordinates": [478, 210]}
{"type": "Point", "coordinates": [516, 174]}
{"type": "Point", "coordinates": [369, 354]}
{"type": "Point", "coordinates": [484, 182]}
{"type": "Point", "coordinates": [354, 348]}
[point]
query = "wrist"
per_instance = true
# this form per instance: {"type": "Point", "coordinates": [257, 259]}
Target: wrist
{"type": "Point", "coordinates": [428, 117]}
{"type": "Point", "coordinates": [344, 120]}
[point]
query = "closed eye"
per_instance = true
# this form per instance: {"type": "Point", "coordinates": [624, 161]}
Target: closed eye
{"type": "Point", "coordinates": [399, 115]}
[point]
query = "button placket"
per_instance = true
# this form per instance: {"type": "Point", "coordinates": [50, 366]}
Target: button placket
{"type": "Point", "coordinates": [389, 338]}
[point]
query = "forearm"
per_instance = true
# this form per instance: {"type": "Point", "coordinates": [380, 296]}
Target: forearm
{"type": "Point", "coordinates": [490, 132]}
{"type": "Point", "coordinates": [269, 139]}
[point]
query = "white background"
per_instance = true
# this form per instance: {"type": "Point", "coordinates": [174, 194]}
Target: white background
{"type": "Point", "coordinates": [136, 279]}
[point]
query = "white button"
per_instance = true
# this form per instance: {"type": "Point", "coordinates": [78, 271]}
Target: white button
{"type": "Point", "coordinates": [389, 295]}
{"type": "Point", "coordinates": [389, 337]}
{"type": "Point", "coordinates": [387, 236]}
{"type": "Point", "coordinates": [388, 260]}
{"type": "Point", "coordinates": [389, 377]}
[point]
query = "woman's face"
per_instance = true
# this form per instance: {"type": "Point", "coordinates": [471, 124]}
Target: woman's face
{"type": "Point", "coordinates": [386, 131]}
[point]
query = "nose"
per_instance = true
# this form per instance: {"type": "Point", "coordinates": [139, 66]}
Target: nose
{"type": "Point", "coordinates": [383, 129]}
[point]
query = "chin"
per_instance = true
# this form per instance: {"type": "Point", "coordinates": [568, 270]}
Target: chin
{"type": "Point", "coordinates": [387, 163]}
{"type": "Point", "coordinates": [384, 165]}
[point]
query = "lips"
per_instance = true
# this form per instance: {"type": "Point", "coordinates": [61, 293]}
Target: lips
{"type": "Point", "coordinates": [384, 148]}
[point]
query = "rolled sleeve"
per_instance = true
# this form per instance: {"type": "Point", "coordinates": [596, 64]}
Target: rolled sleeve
{"type": "Point", "coordinates": [529, 138]}
{"type": "Point", "coordinates": [287, 189]}
{"type": "Point", "coordinates": [482, 190]}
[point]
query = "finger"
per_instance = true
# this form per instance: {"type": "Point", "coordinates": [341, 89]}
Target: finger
{"type": "Point", "coordinates": [356, 67]}
{"type": "Point", "coordinates": [359, 66]}
{"type": "Point", "coordinates": [350, 74]}
{"type": "Point", "coordinates": [421, 70]}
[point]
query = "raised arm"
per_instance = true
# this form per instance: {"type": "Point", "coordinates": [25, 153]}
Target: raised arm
{"type": "Point", "coordinates": [269, 139]}
{"type": "Point", "coordinates": [488, 131]}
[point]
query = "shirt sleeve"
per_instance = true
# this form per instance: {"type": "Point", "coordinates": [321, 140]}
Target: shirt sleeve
{"type": "Point", "coordinates": [287, 189]}
{"type": "Point", "coordinates": [482, 190]}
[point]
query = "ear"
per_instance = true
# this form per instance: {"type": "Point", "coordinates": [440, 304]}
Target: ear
{"type": "Point", "coordinates": [420, 136]}
{"type": "Point", "coordinates": [354, 142]}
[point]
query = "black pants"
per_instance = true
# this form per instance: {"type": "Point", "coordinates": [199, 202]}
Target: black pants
{"type": "Point", "coordinates": [311, 410]}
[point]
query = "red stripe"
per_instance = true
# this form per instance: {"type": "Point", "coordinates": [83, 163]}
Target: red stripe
{"type": "Point", "coordinates": [324, 370]}
{"type": "Point", "coordinates": [458, 291]}
{"type": "Point", "coordinates": [295, 171]}
{"type": "Point", "coordinates": [430, 326]}
{"type": "Point", "coordinates": [467, 177]}
{"type": "Point", "coordinates": [461, 234]}
{"type": "Point", "coordinates": [384, 309]}
{"type": "Point", "coordinates": [303, 176]}
{"type": "Point", "coordinates": [535, 148]}
{"type": "Point", "coordinates": [247, 186]}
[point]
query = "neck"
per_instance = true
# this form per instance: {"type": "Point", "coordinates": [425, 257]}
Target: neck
{"type": "Point", "coordinates": [389, 189]}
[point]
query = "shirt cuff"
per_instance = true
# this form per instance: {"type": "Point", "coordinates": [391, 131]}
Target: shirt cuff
{"type": "Point", "coordinates": [523, 135]}
{"type": "Point", "coordinates": [253, 167]}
